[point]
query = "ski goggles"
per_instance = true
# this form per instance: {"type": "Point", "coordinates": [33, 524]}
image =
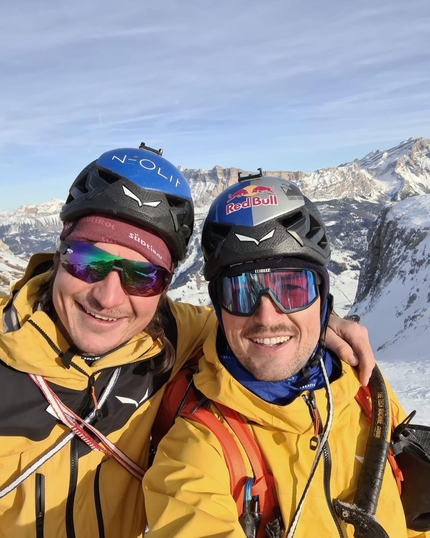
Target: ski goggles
{"type": "Point", "coordinates": [290, 289]}
{"type": "Point", "coordinates": [85, 261]}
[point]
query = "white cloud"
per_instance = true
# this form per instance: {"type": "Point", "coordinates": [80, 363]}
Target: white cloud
{"type": "Point", "coordinates": [283, 85]}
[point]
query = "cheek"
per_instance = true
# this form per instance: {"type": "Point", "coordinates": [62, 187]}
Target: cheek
{"type": "Point", "coordinates": [233, 326]}
{"type": "Point", "coordinates": [61, 289]}
{"type": "Point", "coordinates": [313, 327]}
{"type": "Point", "coordinates": [65, 285]}
{"type": "Point", "coordinates": [144, 308]}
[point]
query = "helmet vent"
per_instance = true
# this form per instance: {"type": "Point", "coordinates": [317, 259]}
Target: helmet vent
{"type": "Point", "coordinates": [106, 176]}
{"type": "Point", "coordinates": [316, 233]}
{"type": "Point", "coordinates": [214, 238]}
{"type": "Point", "coordinates": [294, 222]}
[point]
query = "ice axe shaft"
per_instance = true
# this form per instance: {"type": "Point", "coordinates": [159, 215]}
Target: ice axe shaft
{"type": "Point", "coordinates": [361, 514]}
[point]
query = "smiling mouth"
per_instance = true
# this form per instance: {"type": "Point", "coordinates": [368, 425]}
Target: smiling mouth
{"type": "Point", "coordinates": [98, 316]}
{"type": "Point", "coordinates": [274, 341]}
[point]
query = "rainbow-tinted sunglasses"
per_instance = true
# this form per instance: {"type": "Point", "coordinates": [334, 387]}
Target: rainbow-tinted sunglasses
{"type": "Point", "coordinates": [85, 261]}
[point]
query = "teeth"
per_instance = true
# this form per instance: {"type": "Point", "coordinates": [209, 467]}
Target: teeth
{"type": "Point", "coordinates": [272, 341]}
{"type": "Point", "coordinates": [98, 316]}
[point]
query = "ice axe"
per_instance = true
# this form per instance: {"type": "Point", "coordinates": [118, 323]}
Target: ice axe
{"type": "Point", "coordinates": [361, 513]}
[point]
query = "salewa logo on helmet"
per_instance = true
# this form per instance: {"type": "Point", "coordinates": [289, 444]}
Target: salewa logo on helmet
{"type": "Point", "coordinates": [245, 238]}
{"type": "Point", "coordinates": [149, 165]}
{"type": "Point", "coordinates": [131, 195]}
{"type": "Point", "coordinates": [253, 198]}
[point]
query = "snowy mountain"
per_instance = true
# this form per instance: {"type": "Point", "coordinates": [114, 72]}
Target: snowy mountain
{"type": "Point", "coordinates": [393, 298]}
{"type": "Point", "coordinates": [350, 197]}
{"type": "Point", "coordinates": [380, 177]}
{"type": "Point", "coordinates": [31, 228]}
{"type": "Point", "coordinates": [11, 268]}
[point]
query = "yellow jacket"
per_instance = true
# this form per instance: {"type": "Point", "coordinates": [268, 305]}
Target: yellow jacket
{"type": "Point", "coordinates": [78, 492]}
{"type": "Point", "coordinates": [187, 490]}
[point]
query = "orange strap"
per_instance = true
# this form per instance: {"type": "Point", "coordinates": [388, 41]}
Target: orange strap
{"type": "Point", "coordinates": [263, 479]}
{"type": "Point", "coordinates": [232, 454]}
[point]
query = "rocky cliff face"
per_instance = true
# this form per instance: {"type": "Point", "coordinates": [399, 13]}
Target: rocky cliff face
{"type": "Point", "coordinates": [395, 279]}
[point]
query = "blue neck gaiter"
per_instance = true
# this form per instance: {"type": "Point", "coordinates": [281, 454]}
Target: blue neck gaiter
{"type": "Point", "coordinates": [285, 391]}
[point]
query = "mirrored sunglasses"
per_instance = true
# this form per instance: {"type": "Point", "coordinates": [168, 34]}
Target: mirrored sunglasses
{"type": "Point", "coordinates": [290, 289]}
{"type": "Point", "coordinates": [91, 264]}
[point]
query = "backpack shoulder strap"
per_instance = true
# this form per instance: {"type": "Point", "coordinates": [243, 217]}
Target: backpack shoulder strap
{"type": "Point", "coordinates": [263, 480]}
{"type": "Point", "coordinates": [363, 397]}
{"type": "Point", "coordinates": [232, 454]}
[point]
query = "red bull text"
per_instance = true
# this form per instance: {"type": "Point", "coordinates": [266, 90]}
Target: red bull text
{"type": "Point", "coordinates": [252, 198]}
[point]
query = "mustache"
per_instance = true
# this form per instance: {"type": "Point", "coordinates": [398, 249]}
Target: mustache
{"type": "Point", "coordinates": [90, 303]}
{"type": "Point", "coordinates": [274, 330]}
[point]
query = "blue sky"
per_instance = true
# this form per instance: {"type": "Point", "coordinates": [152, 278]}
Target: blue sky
{"type": "Point", "coordinates": [277, 84]}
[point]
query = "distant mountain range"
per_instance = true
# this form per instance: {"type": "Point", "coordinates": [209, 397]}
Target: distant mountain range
{"type": "Point", "coordinates": [350, 196]}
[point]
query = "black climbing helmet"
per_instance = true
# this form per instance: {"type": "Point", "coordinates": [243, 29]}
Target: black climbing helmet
{"type": "Point", "coordinates": [262, 217]}
{"type": "Point", "coordinates": [140, 186]}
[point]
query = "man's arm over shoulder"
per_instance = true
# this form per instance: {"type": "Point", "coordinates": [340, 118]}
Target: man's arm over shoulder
{"type": "Point", "coordinates": [350, 342]}
{"type": "Point", "coordinates": [194, 324]}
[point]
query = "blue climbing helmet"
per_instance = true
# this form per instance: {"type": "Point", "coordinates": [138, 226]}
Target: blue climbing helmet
{"type": "Point", "coordinates": [261, 218]}
{"type": "Point", "coordinates": [140, 186]}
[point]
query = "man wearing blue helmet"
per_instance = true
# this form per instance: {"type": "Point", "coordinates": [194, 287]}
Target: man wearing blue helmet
{"type": "Point", "coordinates": [284, 434]}
{"type": "Point", "coordinates": [89, 340]}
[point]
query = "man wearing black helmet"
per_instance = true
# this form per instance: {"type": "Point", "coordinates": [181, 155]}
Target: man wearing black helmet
{"type": "Point", "coordinates": [88, 341]}
{"type": "Point", "coordinates": [285, 401]}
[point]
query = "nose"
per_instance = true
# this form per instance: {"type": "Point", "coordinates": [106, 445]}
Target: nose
{"type": "Point", "coordinates": [109, 292]}
{"type": "Point", "coordinates": [267, 312]}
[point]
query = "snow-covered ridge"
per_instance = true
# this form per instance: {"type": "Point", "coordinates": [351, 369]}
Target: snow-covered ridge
{"type": "Point", "coordinates": [393, 299]}
{"type": "Point", "coordinates": [27, 213]}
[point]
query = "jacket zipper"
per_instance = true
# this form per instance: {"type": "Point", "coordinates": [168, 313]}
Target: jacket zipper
{"type": "Point", "coordinates": [315, 440]}
{"type": "Point", "coordinates": [327, 475]}
{"type": "Point", "coordinates": [99, 511]}
{"type": "Point", "coordinates": [70, 524]}
{"type": "Point", "coordinates": [40, 505]}
{"type": "Point", "coordinates": [74, 463]}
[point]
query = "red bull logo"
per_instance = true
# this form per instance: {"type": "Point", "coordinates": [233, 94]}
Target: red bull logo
{"type": "Point", "coordinates": [253, 198]}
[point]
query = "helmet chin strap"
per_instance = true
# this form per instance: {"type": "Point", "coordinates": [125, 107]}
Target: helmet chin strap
{"type": "Point", "coordinates": [321, 346]}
